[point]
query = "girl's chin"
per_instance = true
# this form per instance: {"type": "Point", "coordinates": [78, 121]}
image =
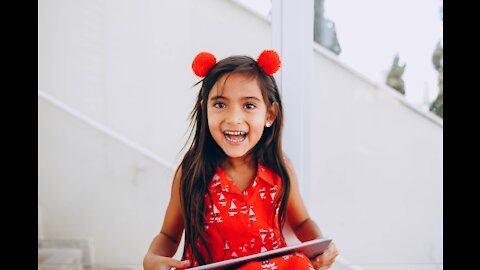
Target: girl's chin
{"type": "Point", "coordinates": [236, 149]}
{"type": "Point", "coordinates": [235, 154]}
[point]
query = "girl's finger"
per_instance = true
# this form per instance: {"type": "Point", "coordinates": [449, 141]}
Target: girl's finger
{"type": "Point", "coordinates": [178, 264]}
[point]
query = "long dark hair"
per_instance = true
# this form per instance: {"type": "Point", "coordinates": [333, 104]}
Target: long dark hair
{"type": "Point", "coordinates": [204, 155]}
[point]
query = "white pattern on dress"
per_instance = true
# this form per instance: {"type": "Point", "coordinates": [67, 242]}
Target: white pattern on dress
{"type": "Point", "coordinates": [273, 192]}
{"type": "Point", "coordinates": [267, 265]}
{"type": "Point", "coordinates": [262, 193]}
{"type": "Point", "coordinates": [222, 201]}
{"type": "Point", "coordinates": [226, 246]}
{"type": "Point", "coordinates": [252, 215]}
{"type": "Point", "coordinates": [215, 181]}
{"type": "Point", "coordinates": [232, 210]}
{"type": "Point", "coordinates": [263, 234]}
{"type": "Point", "coordinates": [212, 215]}
{"type": "Point", "coordinates": [272, 234]}
{"type": "Point", "coordinates": [216, 214]}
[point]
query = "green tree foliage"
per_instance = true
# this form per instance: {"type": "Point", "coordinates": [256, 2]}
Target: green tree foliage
{"type": "Point", "coordinates": [394, 77]}
{"type": "Point", "coordinates": [437, 60]}
{"type": "Point", "coordinates": [324, 31]}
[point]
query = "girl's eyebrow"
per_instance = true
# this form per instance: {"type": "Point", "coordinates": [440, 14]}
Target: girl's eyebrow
{"type": "Point", "coordinates": [218, 97]}
{"type": "Point", "coordinates": [222, 97]}
{"type": "Point", "coordinates": [255, 98]}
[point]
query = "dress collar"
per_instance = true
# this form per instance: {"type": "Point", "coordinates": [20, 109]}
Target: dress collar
{"type": "Point", "coordinates": [221, 178]}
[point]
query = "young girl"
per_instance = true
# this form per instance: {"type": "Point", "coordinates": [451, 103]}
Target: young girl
{"type": "Point", "coordinates": [234, 189]}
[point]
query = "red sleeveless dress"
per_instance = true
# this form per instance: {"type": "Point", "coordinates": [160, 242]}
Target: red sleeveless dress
{"type": "Point", "coordinates": [244, 223]}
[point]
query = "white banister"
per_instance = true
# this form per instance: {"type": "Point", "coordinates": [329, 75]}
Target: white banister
{"type": "Point", "coordinates": [106, 130]}
{"type": "Point", "coordinates": [292, 36]}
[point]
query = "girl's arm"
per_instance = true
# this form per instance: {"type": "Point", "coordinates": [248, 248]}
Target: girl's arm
{"type": "Point", "coordinates": [303, 226]}
{"type": "Point", "coordinates": [297, 216]}
{"type": "Point", "coordinates": [165, 244]}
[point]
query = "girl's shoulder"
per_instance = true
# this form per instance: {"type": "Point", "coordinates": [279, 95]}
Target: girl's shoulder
{"type": "Point", "coordinates": [290, 169]}
{"type": "Point", "coordinates": [288, 164]}
{"type": "Point", "coordinates": [178, 173]}
{"type": "Point", "coordinates": [177, 177]}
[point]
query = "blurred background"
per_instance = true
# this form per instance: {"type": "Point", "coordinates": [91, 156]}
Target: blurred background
{"type": "Point", "coordinates": [115, 89]}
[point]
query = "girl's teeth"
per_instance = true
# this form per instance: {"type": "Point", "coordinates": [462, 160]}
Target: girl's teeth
{"type": "Point", "coordinates": [233, 140]}
{"type": "Point", "coordinates": [235, 136]}
{"type": "Point", "coordinates": [235, 132]}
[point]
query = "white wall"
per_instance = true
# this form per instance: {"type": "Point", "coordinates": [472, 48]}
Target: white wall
{"type": "Point", "coordinates": [378, 164]}
{"type": "Point", "coordinates": [377, 170]}
{"type": "Point", "coordinates": [126, 64]}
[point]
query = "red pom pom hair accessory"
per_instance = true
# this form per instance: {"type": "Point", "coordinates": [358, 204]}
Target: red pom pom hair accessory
{"type": "Point", "coordinates": [269, 61]}
{"type": "Point", "coordinates": [202, 63]}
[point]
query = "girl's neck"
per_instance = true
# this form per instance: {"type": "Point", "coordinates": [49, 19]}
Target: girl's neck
{"type": "Point", "coordinates": [241, 170]}
{"type": "Point", "coordinates": [241, 163]}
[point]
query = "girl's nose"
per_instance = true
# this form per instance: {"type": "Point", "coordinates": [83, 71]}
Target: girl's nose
{"type": "Point", "coordinates": [235, 116]}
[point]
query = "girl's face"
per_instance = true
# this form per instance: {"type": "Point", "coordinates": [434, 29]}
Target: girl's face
{"type": "Point", "coordinates": [237, 114]}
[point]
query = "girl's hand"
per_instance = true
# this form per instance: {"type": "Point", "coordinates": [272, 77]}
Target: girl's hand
{"type": "Point", "coordinates": [325, 261]}
{"type": "Point", "coordinates": [155, 262]}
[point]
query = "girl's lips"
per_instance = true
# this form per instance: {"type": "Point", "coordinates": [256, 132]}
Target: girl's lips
{"type": "Point", "coordinates": [235, 137]}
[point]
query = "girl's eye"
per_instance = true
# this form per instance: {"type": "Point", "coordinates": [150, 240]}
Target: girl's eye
{"type": "Point", "coordinates": [250, 106]}
{"type": "Point", "coordinates": [219, 105]}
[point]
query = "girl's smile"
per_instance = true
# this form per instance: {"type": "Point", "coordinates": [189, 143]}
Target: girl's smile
{"type": "Point", "coordinates": [235, 137]}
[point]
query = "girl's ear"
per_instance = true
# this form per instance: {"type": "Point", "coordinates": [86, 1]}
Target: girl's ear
{"type": "Point", "coordinates": [272, 113]}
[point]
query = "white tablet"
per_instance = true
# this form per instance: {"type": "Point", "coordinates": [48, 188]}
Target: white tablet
{"type": "Point", "coordinates": [311, 249]}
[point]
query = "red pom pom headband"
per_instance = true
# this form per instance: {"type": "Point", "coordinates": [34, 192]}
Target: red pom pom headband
{"type": "Point", "coordinates": [268, 60]}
